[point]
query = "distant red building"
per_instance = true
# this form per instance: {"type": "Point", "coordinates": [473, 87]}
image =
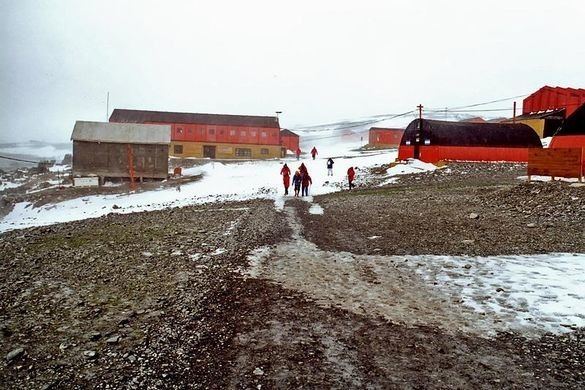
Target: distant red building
{"type": "Point", "coordinates": [385, 137]}
{"type": "Point", "coordinates": [289, 140]}
{"type": "Point", "coordinates": [213, 135]}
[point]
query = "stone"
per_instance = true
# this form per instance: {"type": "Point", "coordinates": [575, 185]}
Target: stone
{"type": "Point", "coordinates": [531, 225]}
{"type": "Point", "coordinates": [467, 266]}
{"type": "Point", "coordinates": [258, 371]}
{"type": "Point", "coordinates": [114, 339]}
{"type": "Point", "coordinates": [467, 241]}
{"type": "Point", "coordinates": [5, 330]}
{"type": "Point", "coordinates": [90, 354]}
{"type": "Point", "coordinates": [15, 353]}
{"type": "Point", "coordinates": [473, 216]}
{"type": "Point", "coordinates": [499, 289]}
{"type": "Point", "coordinates": [94, 336]}
{"type": "Point", "coordinates": [115, 207]}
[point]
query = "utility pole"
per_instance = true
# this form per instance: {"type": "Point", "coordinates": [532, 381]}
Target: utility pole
{"type": "Point", "coordinates": [514, 114]}
{"type": "Point", "coordinates": [277, 117]}
{"type": "Point", "coordinates": [418, 135]}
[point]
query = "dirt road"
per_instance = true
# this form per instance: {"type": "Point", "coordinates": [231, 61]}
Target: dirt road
{"type": "Point", "coordinates": [221, 295]}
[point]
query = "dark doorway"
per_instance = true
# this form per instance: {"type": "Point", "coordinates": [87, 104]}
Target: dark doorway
{"type": "Point", "coordinates": [209, 151]}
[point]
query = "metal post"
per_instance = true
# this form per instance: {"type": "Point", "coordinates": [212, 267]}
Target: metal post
{"type": "Point", "coordinates": [514, 114]}
{"type": "Point", "coordinates": [418, 135]}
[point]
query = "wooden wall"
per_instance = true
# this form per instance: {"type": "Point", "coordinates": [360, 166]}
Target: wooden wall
{"type": "Point", "coordinates": [111, 159]}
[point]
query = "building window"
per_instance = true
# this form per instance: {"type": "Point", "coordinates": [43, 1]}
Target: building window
{"type": "Point", "coordinates": [179, 130]}
{"type": "Point", "coordinates": [263, 134]}
{"type": "Point", "coordinates": [221, 132]}
{"type": "Point", "coordinates": [189, 131]}
{"type": "Point", "coordinates": [211, 131]}
{"type": "Point", "coordinates": [178, 149]}
{"type": "Point", "coordinates": [252, 133]}
{"type": "Point", "coordinates": [243, 133]}
{"type": "Point", "coordinates": [264, 151]}
{"type": "Point", "coordinates": [232, 132]}
{"type": "Point", "coordinates": [243, 152]}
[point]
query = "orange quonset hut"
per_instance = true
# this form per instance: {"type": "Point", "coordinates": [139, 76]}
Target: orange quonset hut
{"type": "Point", "coordinates": [381, 137]}
{"type": "Point", "coordinates": [289, 140]}
{"type": "Point", "coordinates": [213, 135]}
{"type": "Point", "coordinates": [572, 132]}
{"type": "Point", "coordinates": [463, 141]}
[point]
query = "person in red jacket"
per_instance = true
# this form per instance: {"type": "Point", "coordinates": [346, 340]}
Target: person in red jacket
{"type": "Point", "coordinates": [298, 153]}
{"type": "Point", "coordinates": [350, 177]}
{"type": "Point", "coordinates": [314, 152]}
{"type": "Point", "coordinates": [305, 182]}
{"type": "Point", "coordinates": [285, 172]}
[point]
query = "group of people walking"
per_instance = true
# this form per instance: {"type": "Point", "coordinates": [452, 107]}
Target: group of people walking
{"type": "Point", "coordinates": [301, 180]}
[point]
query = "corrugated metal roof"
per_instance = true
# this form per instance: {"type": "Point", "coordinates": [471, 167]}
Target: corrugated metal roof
{"type": "Point", "coordinates": [142, 116]}
{"type": "Point", "coordinates": [124, 133]}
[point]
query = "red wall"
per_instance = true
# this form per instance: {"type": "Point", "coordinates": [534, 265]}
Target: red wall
{"type": "Point", "coordinates": [567, 141]}
{"type": "Point", "coordinates": [549, 98]}
{"type": "Point", "coordinates": [433, 154]}
{"type": "Point", "coordinates": [290, 142]}
{"type": "Point", "coordinates": [224, 134]}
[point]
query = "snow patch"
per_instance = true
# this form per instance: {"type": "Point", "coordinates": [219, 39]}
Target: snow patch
{"type": "Point", "coordinates": [316, 209]}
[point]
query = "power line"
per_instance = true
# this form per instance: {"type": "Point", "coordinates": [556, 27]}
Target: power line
{"type": "Point", "coordinates": [486, 103]}
{"type": "Point", "coordinates": [19, 159]}
{"type": "Point", "coordinates": [364, 123]}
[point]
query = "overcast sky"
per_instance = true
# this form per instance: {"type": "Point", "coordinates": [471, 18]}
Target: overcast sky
{"type": "Point", "coordinates": [317, 61]}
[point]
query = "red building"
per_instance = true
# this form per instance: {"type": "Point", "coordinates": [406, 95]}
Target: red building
{"type": "Point", "coordinates": [463, 141]}
{"type": "Point", "coordinates": [572, 132]}
{"type": "Point", "coordinates": [213, 135]}
{"type": "Point", "coordinates": [289, 140]}
{"type": "Point", "coordinates": [385, 137]}
{"type": "Point", "coordinates": [553, 98]}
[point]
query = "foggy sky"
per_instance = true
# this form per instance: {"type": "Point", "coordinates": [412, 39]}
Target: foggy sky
{"type": "Point", "coordinates": [317, 61]}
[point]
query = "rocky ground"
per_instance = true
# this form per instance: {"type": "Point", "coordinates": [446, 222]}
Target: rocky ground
{"type": "Point", "coordinates": [170, 299]}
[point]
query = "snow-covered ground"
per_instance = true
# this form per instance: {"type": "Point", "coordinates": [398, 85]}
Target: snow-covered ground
{"type": "Point", "coordinates": [534, 292]}
{"type": "Point", "coordinates": [220, 181]}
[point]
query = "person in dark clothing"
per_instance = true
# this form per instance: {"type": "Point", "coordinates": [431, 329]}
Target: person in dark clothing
{"type": "Point", "coordinates": [296, 181]}
{"type": "Point", "coordinates": [306, 181]}
{"type": "Point", "coordinates": [285, 172]}
{"type": "Point", "coordinates": [330, 167]}
{"type": "Point", "coordinates": [350, 177]}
